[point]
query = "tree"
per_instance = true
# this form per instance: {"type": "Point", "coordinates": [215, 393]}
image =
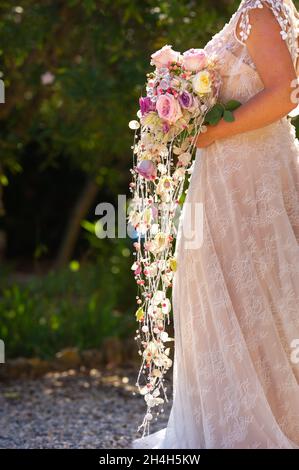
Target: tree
{"type": "Point", "coordinates": [73, 72]}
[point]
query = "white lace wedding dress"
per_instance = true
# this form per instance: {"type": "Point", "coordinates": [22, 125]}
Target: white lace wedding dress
{"type": "Point", "coordinates": [236, 298]}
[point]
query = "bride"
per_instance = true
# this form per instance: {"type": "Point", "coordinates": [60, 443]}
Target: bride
{"type": "Point", "coordinates": [236, 297]}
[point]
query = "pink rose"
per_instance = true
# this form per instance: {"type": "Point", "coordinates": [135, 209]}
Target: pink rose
{"type": "Point", "coordinates": [195, 59]}
{"type": "Point", "coordinates": [168, 108]}
{"type": "Point", "coordinates": [164, 56]}
{"type": "Point", "coordinates": [147, 169]}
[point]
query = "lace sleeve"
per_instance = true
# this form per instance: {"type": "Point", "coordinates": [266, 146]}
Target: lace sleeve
{"type": "Point", "coordinates": [285, 14]}
{"type": "Point", "coordinates": [287, 17]}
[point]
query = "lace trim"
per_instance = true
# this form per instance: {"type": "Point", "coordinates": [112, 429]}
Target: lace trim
{"type": "Point", "coordinates": [282, 12]}
{"type": "Point", "coordinates": [245, 58]}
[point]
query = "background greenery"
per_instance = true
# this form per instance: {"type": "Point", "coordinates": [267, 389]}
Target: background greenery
{"type": "Point", "coordinates": [73, 72]}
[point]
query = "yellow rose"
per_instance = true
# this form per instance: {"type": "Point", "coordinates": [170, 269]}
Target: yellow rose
{"type": "Point", "coordinates": [202, 82]}
{"type": "Point", "coordinates": [173, 264]}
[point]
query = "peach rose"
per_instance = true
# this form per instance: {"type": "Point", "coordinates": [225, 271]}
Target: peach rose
{"type": "Point", "coordinates": [164, 56]}
{"type": "Point", "coordinates": [194, 59]}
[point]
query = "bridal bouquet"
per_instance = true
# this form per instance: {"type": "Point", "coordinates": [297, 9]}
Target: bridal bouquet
{"type": "Point", "coordinates": [181, 97]}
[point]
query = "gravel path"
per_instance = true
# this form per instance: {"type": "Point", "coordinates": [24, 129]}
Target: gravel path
{"type": "Point", "coordinates": [89, 409]}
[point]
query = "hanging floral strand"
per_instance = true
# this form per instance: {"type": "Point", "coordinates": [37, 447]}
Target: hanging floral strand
{"type": "Point", "coordinates": [181, 97]}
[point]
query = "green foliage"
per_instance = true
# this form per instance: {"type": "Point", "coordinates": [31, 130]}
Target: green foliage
{"type": "Point", "coordinates": [74, 70]}
{"type": "Point", "coordinates": [220, 111]}
{"type": "Point", "coordinates": [78, 306]}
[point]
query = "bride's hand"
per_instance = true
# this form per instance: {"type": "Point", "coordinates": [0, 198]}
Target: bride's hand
{"type": "Point", "coordinates": [204, 139]}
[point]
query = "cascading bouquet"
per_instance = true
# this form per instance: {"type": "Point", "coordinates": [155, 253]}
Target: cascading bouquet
{"type": "Point", "coordinates": [181, 97]}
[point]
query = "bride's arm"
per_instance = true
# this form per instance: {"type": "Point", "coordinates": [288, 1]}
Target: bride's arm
{"type": "Point", "coordinates": [276, 70]}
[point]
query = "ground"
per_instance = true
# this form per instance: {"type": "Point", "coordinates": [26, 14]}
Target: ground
{"type": "Point", "coordinates": [86, 409]}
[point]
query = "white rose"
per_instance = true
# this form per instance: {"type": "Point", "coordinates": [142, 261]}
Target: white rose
{"type": "Point", "coordinates": [202, 83]}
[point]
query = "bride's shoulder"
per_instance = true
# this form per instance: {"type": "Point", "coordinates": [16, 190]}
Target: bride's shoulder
{"type": "Point", "coordinates": [281, 9]}
{"type": "Point", "coordinates": [240, 24]}
{"type": "Point", "coordinates": [277, 6]}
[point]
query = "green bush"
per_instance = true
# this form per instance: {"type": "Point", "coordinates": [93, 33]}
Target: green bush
{"type": "Point", "coordinates": [78, 306]}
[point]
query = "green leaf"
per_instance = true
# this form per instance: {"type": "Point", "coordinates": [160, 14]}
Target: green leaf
{"type": "Point", "coordinates": [214, 115]}
{"type": "Point", "coordinates": [214, 120]}
{"type": "Point", "coordinates": [228, 116]}
{"type": "Point", "coordinates": [218, 107]}
{"type": "Point", "coordinates": [89, 226]}
{"type": "Point", "coordinates": [3, 180]}
{"type": "Point", "coordinates": [74, 266]}
{"type": "Point", "coordinates": [139, 314]}
{"type": "Point", "coordinates": [232, 105]}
